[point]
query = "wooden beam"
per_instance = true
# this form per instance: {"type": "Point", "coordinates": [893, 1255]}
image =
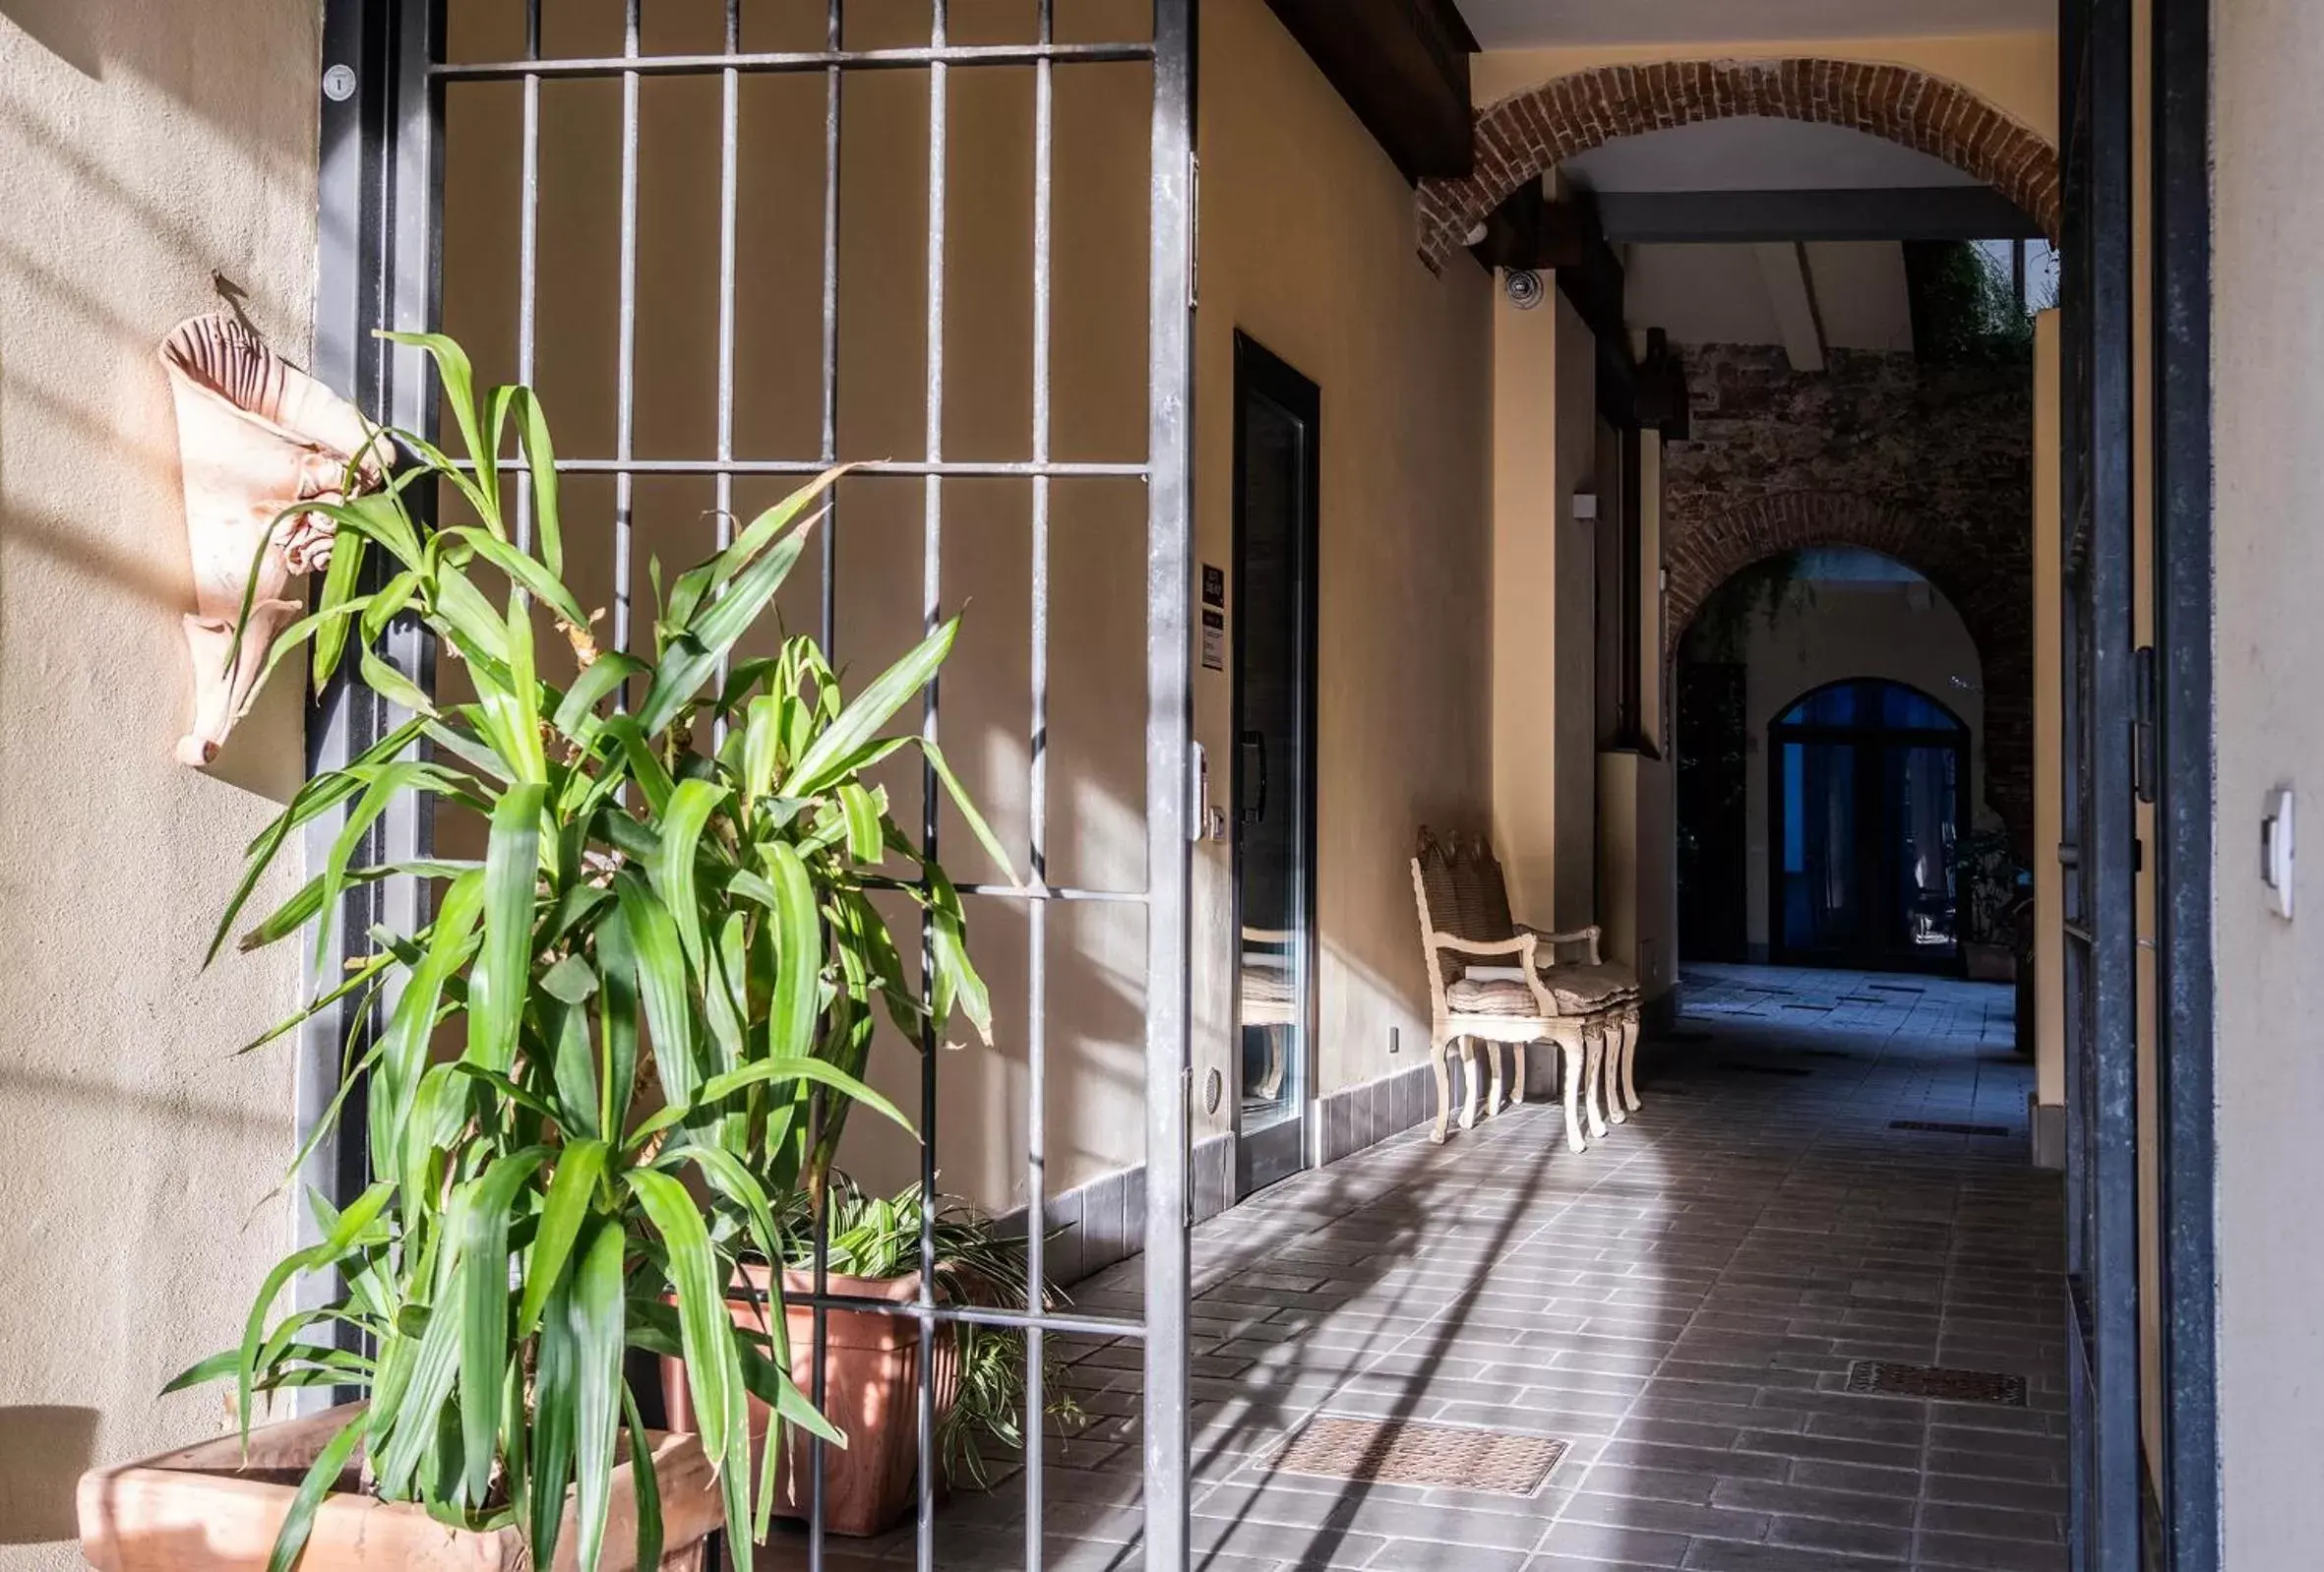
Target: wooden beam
{"type": "Point", "coordinates": [1903, 213]}
{"type": "Point", "coordinates": [1791, 290]}
{"type": "Point", "coordinates": [1403, 67]}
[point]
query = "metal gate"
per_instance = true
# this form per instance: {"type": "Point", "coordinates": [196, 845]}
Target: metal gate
{"type": "Point", "coordinates": [386, 82]}
{"type": "Point", "coordinates": [2098, 830]}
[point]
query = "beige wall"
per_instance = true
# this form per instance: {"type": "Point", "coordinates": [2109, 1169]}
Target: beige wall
{"type": "Point", "coordinates": [1827, 631]}
{"type": "Point", "coordinates": [1544, 436]}
{"type": "Point", "coordinates": [2268, 386]}
{"type": "Point", "coordinates": [1306, 246]}
{"type": "Point", "coordinates": [145, 146]}
{"type": "Point", "coordinates": [2016, 71]}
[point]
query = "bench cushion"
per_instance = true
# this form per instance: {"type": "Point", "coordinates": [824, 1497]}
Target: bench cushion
{"type": "Point", "coordinates": [1468, 996]}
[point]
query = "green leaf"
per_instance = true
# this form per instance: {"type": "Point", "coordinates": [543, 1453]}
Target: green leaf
{"type": "Point", "coordinates": [598, 1316]}
{"type": "Point", "coordinates": [556, 1389]}
{"type": "Point", "coordinates": [799, 954]}
{"type": "Point", "coordinates": [532, 435]}
{"type": "Point", "coordinates": [714, 1367]}
{"type": "Point", "coordinates": [543, 584]}
{"type": "Point", "coordinates": [617, 1022]}
{"type": "Point", "coordinates": [391, 685]}
{"type": "Point", "coordinates": [694, 653]}
{"type": "Point", "coordinates": [298, 1520]}
{"type": "Point", "coordinates": [502, 972]}
{"type": "Point", "coordinates": [662, 982]}
{"type": "Point", "coordinates": [571, 1188]}
{"type": "Point", "coordinates": [414, 1023]}
{"type": "Point", "coordinates": [339, 589]}
{"type": "Point", "coordinates": [819, 766]}
{"type": "Point", "coordinates": [590, 688]}
{"type": "Point", "coordinates": [768, 1071]}
{"type": "Point", "coordinates": [647, 1485]}
{"type": "Point", "coordinates": [864, 813]}
{"type": "Point", "coordinates": [484, 1310]}
{"type": "Point", "coordinates": [459, 392]}
{"type": "Point", "coordinates": [672, 869]}
{"type": "Point", "coordinates": [359, 1216]}
{"type": "Point", "coordinates": [960, 800]}
{"type": "Point", "coordinates": [697, 584]}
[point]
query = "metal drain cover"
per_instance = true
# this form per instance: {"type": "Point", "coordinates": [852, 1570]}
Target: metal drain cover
{"type": "Point", "coordinates": [1400, 1452]}
{"type": "Point", "coordinates": [1936, 1381]}
{"type": "Point", "coordinates": [1947, 1128]}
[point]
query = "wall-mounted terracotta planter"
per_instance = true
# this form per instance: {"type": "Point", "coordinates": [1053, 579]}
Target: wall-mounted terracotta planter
{"type": "Point", "coordinates": [212, 1508]}
{"type": "Point", "coordinates": [871, 1364]}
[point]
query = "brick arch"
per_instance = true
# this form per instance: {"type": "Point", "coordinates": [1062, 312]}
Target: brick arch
{"type": "Point", "coordinates": [1993, 596]}
{"type": "Point", "coordinates": [1528, 133]}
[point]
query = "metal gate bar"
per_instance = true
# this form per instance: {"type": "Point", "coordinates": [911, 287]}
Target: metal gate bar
{"type": "Point", "coordinates": [2103, 1282]}
{"type": "Point", "coordinates": [382, 193]}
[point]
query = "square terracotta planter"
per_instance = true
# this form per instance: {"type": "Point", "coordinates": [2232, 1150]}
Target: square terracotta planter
{"type": "Point", "coordinates": [871, 1394]}
{"type": "Point", "coordinates": [212, 1508]}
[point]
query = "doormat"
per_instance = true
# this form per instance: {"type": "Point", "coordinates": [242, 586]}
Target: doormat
{"type": "Point", "coordinates": [1947, 1128]}
{"type": "Point", "coordinates": [1402, 1452]}
{"type": "Point", "coordinates": [1936, 1381]}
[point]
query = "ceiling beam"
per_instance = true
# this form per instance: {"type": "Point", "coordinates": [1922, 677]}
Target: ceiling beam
{"type": "Point", "coordinates": [1791, 290]}
{"type": "Point", "coordinates": [1403, 67]}
{"type": "Point", "coordinates": [1902, 212]}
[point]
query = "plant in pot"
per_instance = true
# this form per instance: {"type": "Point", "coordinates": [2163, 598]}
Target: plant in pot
{"type": "Point", "coordinates": [599, 1061]}
{"type": "Point", "coordinates": [871, 1252]}
{"type": "Point", "coordinates": [1994, 886]}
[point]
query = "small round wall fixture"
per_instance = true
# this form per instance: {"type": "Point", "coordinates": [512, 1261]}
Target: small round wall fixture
{"type": "Point", "coordinates": [1524, 287]}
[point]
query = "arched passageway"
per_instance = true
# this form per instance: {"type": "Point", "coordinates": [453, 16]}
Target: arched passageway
{"type": "Point", "coordinates": [1527, 134]}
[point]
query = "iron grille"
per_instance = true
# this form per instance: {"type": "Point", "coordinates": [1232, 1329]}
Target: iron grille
{"type": "Point", "coordinates": [383, 193]}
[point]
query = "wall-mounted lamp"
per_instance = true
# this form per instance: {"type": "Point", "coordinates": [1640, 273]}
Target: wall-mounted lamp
{"type": "Point", "coordinates": [256, 436]}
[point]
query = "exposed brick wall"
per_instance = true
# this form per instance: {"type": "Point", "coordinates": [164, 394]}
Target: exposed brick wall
{"type": "Point", "coordinates": [1528, 133]}
{"type": "Point", "coordinates": [1931, 465]}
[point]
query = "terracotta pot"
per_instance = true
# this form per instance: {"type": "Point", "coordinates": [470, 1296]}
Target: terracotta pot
{"type": "Point", "coordinates": [212, 1508]}
{"type": "Point", "coordinates": [871, 1394]}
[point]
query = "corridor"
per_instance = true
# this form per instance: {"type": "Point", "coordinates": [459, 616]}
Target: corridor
{"type": "Point", "coordinates": [1680, 1308]}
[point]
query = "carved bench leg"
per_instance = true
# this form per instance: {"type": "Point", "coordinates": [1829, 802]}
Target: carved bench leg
{"type": "Point", "coordinates": [1493, 1089]}
{"type": "Point", "coordinates": [1440, 1055]}
{"type": "Point", "coordinates": [1568, 1035]}
{"type": "Point", "coordinates": [1618, 1043]}
{"type": "Point", "coordinates": [1516, 1075]}
{"type": "Point", "coordinates": [1594, 1079]}
{"type": "Point", "coordinates": [1631, 1031]}
{"type": "Point", "coordinates": [1472, 1085]}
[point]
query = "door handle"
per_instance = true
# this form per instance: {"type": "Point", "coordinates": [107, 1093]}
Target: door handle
{"type": "Point", "coordinates": [1255, 768]}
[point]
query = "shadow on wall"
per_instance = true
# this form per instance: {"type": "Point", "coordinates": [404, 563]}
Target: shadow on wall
{"type": "Point", "coordinates": [46, 1448]}
{"type": "Point", "coordinates": [66, 29]}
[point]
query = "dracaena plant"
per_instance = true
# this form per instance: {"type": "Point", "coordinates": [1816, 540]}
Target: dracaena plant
{"type": "Point", "coordinates": [627, 1039]}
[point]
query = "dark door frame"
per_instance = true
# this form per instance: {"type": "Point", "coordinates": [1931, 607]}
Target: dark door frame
{"type": "Point", "coordinates": [1289, 1147]}
{"type": "Point", "coordinates": [1873, 739]}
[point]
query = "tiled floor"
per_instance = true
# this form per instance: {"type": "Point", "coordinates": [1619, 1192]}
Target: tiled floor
{"type": "Point", "coordinates": [1681, 1304]}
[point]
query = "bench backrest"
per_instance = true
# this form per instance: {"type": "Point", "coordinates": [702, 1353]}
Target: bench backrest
{"type": "Point", "coordinates": [1457, 888]}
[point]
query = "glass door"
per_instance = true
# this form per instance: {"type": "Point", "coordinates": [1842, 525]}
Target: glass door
{"type": "Point", "coordinates": [1274, 794]}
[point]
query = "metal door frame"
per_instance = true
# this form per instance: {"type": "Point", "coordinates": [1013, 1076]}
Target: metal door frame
{"type": "Point", "coordinates": [1259, 370]}
{"type": "Point", "coordinates": [380, 192]}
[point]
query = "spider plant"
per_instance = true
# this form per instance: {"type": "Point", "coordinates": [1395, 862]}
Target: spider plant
{"type": "Point", "coordinates": [877, 1238]}
{"type": "Point", "coordinates": [624, 1042]}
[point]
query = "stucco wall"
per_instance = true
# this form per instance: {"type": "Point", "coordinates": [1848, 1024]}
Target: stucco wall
{"type": "Point", "coordinates": [2268, 468]}
{"type": "Point", "coordinates": [141, 146]}
{"type": "Point", "coordinates": [1306, 246]}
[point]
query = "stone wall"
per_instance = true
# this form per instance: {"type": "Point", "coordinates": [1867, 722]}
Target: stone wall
{"type": "Point", "coordinates": [1931, 465]}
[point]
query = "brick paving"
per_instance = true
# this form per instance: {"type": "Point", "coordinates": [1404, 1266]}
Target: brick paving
{"type": "Point", "coordinates": [1681, 1304]}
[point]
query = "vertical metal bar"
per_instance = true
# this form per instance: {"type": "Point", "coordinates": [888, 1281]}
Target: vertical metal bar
{"type": "Point", "coordinates": [1169, 767]}
{"type": "Point", "coordinates": [932, 609]}
{"type": "Point", "coordinates": [626, 326]}
{"type": "Point", "coordinates": [1037, 804]}
{"type": "Point", "coordinates": [834, 32]}
{"type": "Point", "coordinates": [834, 27]}
{"type": "Point", "coordinates": [377, 265]}
{"type": "Point", "coordinates": [528, 254]}
{"type": "Point", "coordinates": [2113, 1289]}
{"type": "Point", "coordinates": [2182, 557]}
{"type": "Point", "coordinates": [730, 143]}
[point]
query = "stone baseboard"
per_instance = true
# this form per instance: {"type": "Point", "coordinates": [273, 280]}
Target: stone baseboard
{"type": "Point", "coordinates": [2046, 1124]}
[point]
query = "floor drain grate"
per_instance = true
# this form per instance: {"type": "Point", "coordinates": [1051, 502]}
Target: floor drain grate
{"type": "Point", "coordinates": [1947, 1128]}
{"type": "Point", "coordinates": [1396, 1452]}
{"type": "Point", "coordinates": [1895, 987]}
{"type": "Point", "coordinates": [1936, 1381]}
{"type": "Point", "coordinates": [1738, 1067]}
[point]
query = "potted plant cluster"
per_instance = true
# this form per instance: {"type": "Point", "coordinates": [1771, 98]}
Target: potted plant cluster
{"type": "Point", "coordinates": [602, 1056]}
{"type": "Point", "coordinates": [871, 1252]}
{"type": "Point", "coordinates": [1993, 884]}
